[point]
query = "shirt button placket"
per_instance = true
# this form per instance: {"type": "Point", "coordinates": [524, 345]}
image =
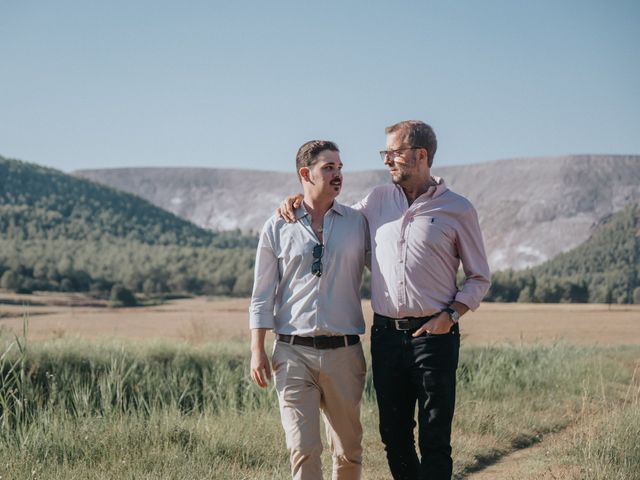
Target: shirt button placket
{"type": "Point", "coordinates": [400, 266]}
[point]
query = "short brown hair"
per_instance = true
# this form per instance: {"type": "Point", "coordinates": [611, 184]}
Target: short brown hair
{"type": "Point", "coordinates": [418, 134]}
{"type": "Point", "coordinates": [308, 153]}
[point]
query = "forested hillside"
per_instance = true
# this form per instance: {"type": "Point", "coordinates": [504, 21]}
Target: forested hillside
{"type": "Point", "coordinates": [604, 269]}
{"type": "Point", "coordinates": [58, 232]}
{"type": "Point", "coordinates": [43, 203]}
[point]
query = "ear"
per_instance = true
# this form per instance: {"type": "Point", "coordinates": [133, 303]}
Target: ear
{"type": "Point", "coordinates": [423, 155]}
{"type": "Point", "coordinates": [304, 174]}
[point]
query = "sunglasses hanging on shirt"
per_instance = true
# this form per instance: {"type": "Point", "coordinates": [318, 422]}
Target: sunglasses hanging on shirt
{"type": "Point", "coordinates": [316, 266]}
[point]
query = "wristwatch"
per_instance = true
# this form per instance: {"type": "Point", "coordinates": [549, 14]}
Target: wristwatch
{"type": "Point", "coordinates": [453, 315]}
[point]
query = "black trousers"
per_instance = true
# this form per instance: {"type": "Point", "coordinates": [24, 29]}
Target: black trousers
{"type": "Point", "coordinates": [407, 371]}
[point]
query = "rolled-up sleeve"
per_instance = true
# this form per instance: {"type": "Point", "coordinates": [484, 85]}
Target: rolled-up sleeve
{"type": "Point", "coordinates": [261, 309]}
{"type": "Point", "coordinates": [474, 261]}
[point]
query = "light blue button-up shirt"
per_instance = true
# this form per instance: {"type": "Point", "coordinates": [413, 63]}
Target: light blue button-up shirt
{"type": "Point", "coordinates": [288, 298]}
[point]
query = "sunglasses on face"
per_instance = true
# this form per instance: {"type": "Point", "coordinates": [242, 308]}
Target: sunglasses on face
{"type": "Point", "coordinates": [316, 266]}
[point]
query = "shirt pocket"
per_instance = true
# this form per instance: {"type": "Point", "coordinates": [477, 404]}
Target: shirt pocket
{"type": "Point", "coordinates": [432, 236]}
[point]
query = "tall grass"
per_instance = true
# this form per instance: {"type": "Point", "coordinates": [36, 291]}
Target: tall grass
{"type": "Point", "coordinates": [16, 399]}
{"type": "Point", "coordinates": [104, 380]}
{"type": "Point", "coordinates": [71, 409]}
{"type": "Point", "coordinates": [607, 443]}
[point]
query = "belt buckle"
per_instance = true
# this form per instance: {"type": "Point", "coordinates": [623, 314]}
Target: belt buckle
{"type": "Point", "coordinates": [402, 321]}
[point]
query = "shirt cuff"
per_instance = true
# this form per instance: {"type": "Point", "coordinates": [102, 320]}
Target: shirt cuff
{"type": "Point", "coordinates": [468, 300]}
{"type": "Point", "coordinates": [257, 320]}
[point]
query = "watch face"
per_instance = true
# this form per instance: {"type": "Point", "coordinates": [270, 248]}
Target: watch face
{"type": "Point", "coordinates": [455, 316]}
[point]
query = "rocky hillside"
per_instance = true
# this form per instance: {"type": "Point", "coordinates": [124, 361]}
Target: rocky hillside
{"type": "Point", "coordinates": [603, 269]}
{"type": "Point", "coordinates": [531, 209]}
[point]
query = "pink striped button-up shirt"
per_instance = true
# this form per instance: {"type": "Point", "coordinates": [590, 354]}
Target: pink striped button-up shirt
{"type": "Point", "coordinates": [417, 249]}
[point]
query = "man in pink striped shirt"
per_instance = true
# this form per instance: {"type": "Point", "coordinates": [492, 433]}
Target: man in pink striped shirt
{"type": "Point", "coordinates": [420, 234]}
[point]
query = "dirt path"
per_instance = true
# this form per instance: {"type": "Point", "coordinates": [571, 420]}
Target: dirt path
{"type": "Point", "coordinates": [530, 462]}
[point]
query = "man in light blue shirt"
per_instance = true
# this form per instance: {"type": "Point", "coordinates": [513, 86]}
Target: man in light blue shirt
{"type": "Point", "coordinates": [306, 289]}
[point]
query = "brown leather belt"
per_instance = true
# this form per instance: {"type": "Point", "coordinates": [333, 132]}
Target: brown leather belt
{"type": "Point", "coordinates": [409, 323]}
{"type": "Point", "coordinates": [320, 342]}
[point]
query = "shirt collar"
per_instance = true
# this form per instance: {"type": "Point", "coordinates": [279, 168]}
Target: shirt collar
{"type": "Point", "coordinates": [433, 191]}
{"type": "Point", "coordinates": [438, 189]}
{"type": "Point", "coordinates": [301, 211]}
{"type": "Point", "coordinates": [338, 208]}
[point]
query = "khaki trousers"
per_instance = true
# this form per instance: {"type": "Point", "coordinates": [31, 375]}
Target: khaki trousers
{"type": "Point", "coordinates": [309, 381]}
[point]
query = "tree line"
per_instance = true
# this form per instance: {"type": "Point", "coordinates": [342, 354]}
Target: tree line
{"type": "Point", "coordinates": [96, 267]}
{"type": "Point", "coordinates": [604, 269]}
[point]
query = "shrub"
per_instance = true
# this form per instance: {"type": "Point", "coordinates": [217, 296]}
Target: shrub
{"type": "Point", "coordinates": [122, 297]}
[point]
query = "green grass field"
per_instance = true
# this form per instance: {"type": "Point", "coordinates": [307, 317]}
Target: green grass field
{"type": "Point", "coordinates": [97, 410]}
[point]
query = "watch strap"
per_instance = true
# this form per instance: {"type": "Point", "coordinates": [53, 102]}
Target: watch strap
{"type": "Point", "coordinates": [453, 315]}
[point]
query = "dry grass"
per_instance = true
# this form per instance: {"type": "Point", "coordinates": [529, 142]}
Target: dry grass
{"type": "Point", "coordinates": [202, 319]}
{"type": "Point", "coordinates": [502, 411]}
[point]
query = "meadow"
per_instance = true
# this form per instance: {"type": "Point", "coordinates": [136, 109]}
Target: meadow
{"type": "Point", "coordinates": [182, 406]}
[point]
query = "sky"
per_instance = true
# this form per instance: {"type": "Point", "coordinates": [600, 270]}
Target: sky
{"type": "Point", "coordinates": [243, 84]}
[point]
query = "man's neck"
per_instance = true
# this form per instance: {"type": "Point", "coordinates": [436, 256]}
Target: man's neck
{"type": "Point", "coordinates": [317, 207]}
{"type": "Point", "coordinates": [413, 189]}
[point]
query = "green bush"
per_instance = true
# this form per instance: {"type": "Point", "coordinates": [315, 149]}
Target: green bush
{"type": "Point", "coordinates": [122, 297]}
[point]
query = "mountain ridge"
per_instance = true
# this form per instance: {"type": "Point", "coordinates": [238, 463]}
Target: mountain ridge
{"type": "Point", "coordinates": [530, 208]}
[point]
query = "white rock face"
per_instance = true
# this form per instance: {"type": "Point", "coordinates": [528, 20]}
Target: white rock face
{"type": "Point", "coordinates": [530, 209]}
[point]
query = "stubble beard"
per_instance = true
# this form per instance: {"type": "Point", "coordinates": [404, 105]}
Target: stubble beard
{"type": "Point", "coordinates": [399, 177]}
{"type": "Point", "coordinates": [402, 175]}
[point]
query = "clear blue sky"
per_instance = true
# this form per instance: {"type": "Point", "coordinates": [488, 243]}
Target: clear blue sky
{"type": "Point", "coordinates": [243, 84]}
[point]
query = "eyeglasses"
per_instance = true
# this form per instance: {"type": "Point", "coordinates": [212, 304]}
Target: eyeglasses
{"type": "Point", "coordinates": [394, 153]}
{"type": "Point", "coordinates": [316, 266]}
